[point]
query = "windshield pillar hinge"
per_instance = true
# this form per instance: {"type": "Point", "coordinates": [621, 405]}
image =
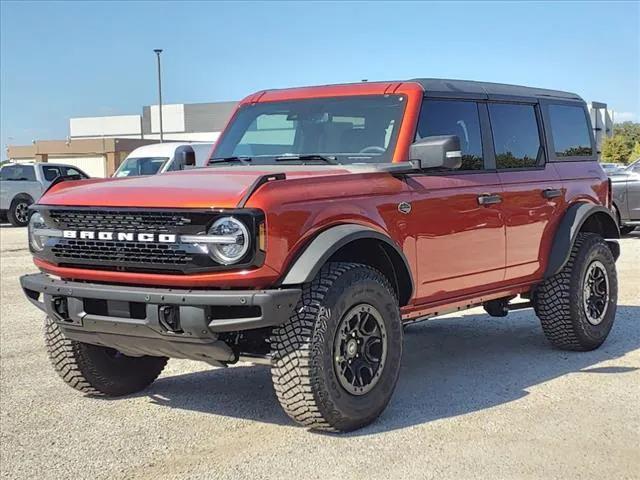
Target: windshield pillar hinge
{"type": "Point", "coordinates": [261, 180]}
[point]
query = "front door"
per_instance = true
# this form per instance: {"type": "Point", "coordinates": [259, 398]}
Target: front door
{"type": "Point", "coordinates": [633, 193]}
{"type": "Point", "coordinates": [460, 237]}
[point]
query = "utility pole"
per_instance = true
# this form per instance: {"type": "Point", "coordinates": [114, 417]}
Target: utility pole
{"type": "Point", "coordinates": [158, 51]}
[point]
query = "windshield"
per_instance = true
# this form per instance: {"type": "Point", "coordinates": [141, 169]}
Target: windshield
{"type": "Point", "coordinates": [133, 167]}
{"type": "Point", "coordinates": [359, 129]}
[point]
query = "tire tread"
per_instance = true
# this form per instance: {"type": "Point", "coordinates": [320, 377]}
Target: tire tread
{"type": "Point", "coordinates": [293, 344]}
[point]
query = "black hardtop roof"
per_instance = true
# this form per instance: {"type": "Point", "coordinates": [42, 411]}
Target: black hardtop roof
{"type": "Point", "coordinates": [444, 87]}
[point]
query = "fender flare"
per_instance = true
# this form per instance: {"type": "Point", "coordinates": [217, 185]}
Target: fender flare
{"type": "Point", "coordinates": [21, 195]}
{"type": "Point", "coordinates": [571, 224]}
{"type": "Point", "coordinates": [325, 244]}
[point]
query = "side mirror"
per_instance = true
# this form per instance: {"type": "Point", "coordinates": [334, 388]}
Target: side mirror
{"type": "Point", "coordinates": [437, 152]}
{"type": "Point", "coordinates": [187, 160]}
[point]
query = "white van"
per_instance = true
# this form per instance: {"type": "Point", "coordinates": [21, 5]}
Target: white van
{"type": "Point", "coordinates": [164, 157]}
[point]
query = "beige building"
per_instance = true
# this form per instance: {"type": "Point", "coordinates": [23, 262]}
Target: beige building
{"type": "Point", "coordinates": [97, 145]}
{"type": "Point", "coordinates": [97, 157]}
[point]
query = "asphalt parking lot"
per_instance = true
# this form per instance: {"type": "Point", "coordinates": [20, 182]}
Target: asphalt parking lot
{"type": "Point", "coordinates": [478, 397]}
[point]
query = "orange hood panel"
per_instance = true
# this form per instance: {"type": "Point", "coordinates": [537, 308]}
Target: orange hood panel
{"type": "Point", "coordinates": [202, 188]}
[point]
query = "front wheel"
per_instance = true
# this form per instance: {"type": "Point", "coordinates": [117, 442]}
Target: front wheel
{"type": "Point", "coordinates": [96, 370]}
{"type": "Point", "coordinates": [336, 361]}
{"type": "Point", "coordinates": [577, 306]}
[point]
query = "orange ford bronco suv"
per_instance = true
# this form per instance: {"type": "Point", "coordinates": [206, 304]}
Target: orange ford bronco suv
{"type": "Point", "coordinates": [327, 218]}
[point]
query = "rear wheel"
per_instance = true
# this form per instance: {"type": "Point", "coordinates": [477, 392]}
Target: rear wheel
{"type": "Point", "coordinates": [98, 370]}
{"type": "Point", "coordinates": [336, 361]}
{"type": "Point", "coordinates": [18, 214]}
{"type": "Point", "coordinates": [577, 306]}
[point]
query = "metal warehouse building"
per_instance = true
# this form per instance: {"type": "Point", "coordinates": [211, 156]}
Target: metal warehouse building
{"type": "Point", "coordinates": [98, 145]}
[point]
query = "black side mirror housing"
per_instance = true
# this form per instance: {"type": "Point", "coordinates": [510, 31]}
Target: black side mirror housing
{"type": "Point", "coordinates": [441, 151]}
{"type": "Point", "coordinates": [187, 160]}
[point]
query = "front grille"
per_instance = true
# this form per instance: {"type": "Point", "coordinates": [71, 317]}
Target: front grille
{"type": "Point", "coordinates": [67, 250]}
{"type": "Point", "coordinates": [136, 256]}
{"type": "Point", "coordinates": [129, 221]}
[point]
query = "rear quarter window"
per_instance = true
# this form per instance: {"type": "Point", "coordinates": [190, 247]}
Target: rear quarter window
{"type": "Point", "coordinates": [570, 131]}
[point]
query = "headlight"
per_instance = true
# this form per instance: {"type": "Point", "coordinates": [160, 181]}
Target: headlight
{"type": "Point", "coordinates": [37, 230]}
{"type": "Point", "coordinates": [238, 243]}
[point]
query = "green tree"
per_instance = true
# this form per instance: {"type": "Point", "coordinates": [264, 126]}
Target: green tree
{"type": "Point", "coordinates": [635, 153]}
{"type": "Point", "coordinates": [629, 130]}
{"type": "Point", "coordinates": [616, 149]}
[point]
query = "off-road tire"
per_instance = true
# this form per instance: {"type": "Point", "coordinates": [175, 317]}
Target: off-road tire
{"type": "Point", "coordinates": [558, 301]}
{"type": "Point", "coordinates": [15, 215]}
{"type": "Point", "coordinates": [97, 370]}
{"type": "Point", "coordinates": [303, 373]}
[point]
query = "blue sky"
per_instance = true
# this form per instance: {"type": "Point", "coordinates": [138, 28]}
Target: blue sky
{"type": "Point", "coordinates": [60, 60]}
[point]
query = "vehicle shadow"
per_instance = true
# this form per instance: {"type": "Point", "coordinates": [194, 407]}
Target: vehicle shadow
{"type": "Point", "coordinates": [451, 367]}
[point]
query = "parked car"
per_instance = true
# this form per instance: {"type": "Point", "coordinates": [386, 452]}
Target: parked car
{"type": "Point", "coordinates": [331, 217]}
{"type": "Point", "coordinates": [611, 168]}
{"type": "Point", "coordinates": [21, 184]}
{"type": "Point", "coordinates": [164, 157]}
{"type": "Point", "coordinates": [626, 197]}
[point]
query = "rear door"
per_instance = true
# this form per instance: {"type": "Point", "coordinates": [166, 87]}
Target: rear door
{"type": "Point", "coordinates": [532, 189]}
{"type": "Point", "coordinates": [460, 242]}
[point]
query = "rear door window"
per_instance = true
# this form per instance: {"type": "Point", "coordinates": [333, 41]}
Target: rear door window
{"type": "Point", "coordinates": [454, 117]}
{"type": "Point", "coordinates": [516, 137]}
{"type": "Point", "coordinates": [23, 173]}
{"type": "Point", "coordinates": [50, 173]}
{"type": "Point", "coordinates": [570, 131]}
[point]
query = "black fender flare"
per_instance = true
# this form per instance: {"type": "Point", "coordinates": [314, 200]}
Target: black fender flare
{"type": "Point", "coordinates": [325, 244]}
{"type": "Point", "coordinates": [571, 224]}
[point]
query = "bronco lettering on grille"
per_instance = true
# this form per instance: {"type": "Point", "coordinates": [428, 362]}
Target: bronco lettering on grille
{"type": "Point", "coordinates": [120, 236]}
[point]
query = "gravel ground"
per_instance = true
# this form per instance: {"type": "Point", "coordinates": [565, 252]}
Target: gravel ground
{"type": "Point", "coordinates": [478, 397]}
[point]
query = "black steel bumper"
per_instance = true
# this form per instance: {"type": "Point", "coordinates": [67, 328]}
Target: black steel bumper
{"type": "Point", "coordinates": [157, 321]}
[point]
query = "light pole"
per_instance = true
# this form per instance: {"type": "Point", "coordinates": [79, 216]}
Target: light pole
{"type": "Point", "coordinates": [158, 52]}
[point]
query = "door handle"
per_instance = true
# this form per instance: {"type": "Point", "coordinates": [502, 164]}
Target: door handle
{"type": "Point", "coordinates": [551, 192]}
{"type": "Point", "coordinates": [489, 199]}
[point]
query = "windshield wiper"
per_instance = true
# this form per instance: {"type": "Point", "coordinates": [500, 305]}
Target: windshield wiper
{"type": "Point", "coordinates": [242, 160]}
{"type": "Point", "coordinates": [314, 156]}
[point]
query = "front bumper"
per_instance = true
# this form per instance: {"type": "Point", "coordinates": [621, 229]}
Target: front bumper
{"type": "Point", "coordinates": [157, 321]}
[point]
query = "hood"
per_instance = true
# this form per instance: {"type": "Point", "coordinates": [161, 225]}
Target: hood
{"type": "Point", "coordinates": [200, 188]}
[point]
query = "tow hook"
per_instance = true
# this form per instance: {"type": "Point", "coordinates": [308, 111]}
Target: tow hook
{"type": "Point", "coordinates": [60, 307]}
{"type": "Point", "coordinates": [169, 316]}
